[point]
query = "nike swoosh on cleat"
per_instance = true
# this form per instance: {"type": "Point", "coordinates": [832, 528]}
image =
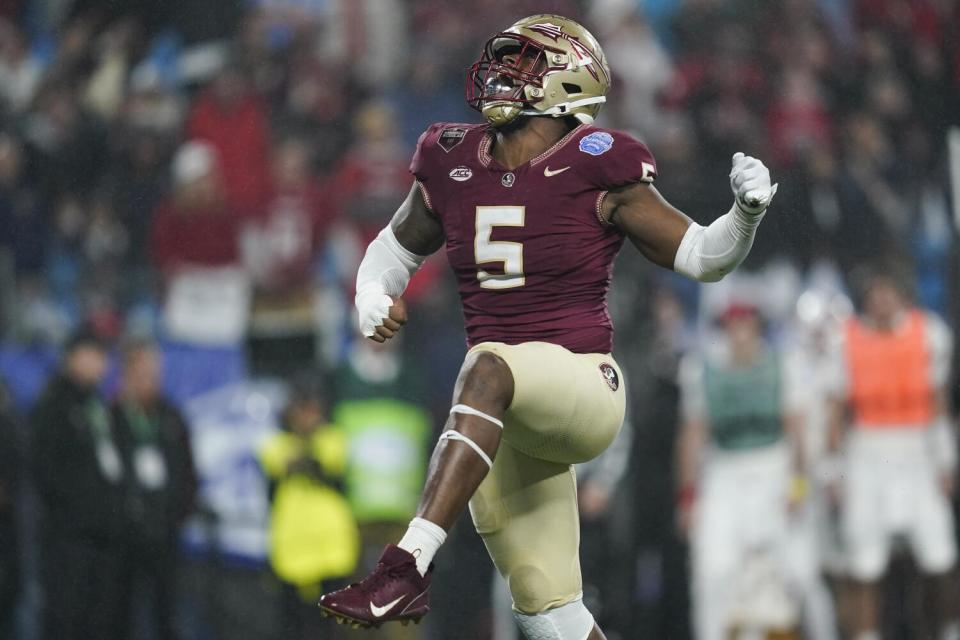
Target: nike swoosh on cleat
{"type": "Point", "coordinates": [379, 612]}
{"type": "Point", "coordinates": [550, 174]}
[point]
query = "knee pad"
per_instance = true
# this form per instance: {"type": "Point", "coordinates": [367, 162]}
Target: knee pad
{"type": "Point", "coordinates": [572, 621]}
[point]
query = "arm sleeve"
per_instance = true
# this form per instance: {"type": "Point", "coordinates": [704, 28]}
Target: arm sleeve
{"type": "Point", "coordinates": [709, 253]}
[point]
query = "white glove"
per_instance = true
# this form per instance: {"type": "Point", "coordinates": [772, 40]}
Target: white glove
{"type": "Point", "coordinates": [750, 181]}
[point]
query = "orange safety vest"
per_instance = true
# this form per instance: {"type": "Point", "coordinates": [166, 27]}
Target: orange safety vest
{"type": "Point", "coordinates": [889, 372]}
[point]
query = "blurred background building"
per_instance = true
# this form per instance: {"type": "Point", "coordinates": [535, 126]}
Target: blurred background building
{"type": "Point", "coordinates": [204, 175]}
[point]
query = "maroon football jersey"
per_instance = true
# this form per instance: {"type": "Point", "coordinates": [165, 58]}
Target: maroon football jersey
{"type": "Point", "coordinates": [532, 256]}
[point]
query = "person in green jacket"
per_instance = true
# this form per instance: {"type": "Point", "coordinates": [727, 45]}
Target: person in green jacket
{"type": "Point", "coordinates": [314, 541]}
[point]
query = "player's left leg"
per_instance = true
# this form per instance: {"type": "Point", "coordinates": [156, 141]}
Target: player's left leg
{"type": "Point", "coordinates": [397, 589]}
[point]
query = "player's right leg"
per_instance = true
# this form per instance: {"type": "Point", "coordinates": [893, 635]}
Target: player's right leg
{"type": "Point", "coordinates": [398, 587]}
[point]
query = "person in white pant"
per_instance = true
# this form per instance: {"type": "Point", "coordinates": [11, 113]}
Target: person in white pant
{"type": "Point", "coordinates": [742, 482]}
{"type": "Point", "coordinates": [896, 477]}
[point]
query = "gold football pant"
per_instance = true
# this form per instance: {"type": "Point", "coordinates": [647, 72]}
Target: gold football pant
{"type": "Point", "coordinates": [567, 408]}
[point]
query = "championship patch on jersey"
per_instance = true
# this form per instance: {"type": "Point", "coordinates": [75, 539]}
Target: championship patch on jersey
{"type": "Point", "coordinates": [610, 376]}
{"type": "Point", "coordinates": [451, 137]}
{"type": "Point", "coordinates": [596, 143]}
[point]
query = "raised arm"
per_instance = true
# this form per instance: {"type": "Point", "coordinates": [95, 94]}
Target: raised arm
{"type": "Point", "coordinates": [391, 259]}
{"type": "Point", "coordinates": [670, 239]}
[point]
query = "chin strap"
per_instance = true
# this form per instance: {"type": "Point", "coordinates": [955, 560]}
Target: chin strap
{"type": "Point", "coordinates": [566, 108]}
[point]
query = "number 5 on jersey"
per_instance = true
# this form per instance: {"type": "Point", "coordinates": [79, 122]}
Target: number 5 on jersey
{"type": "Point", "coordinates": [510, 254]}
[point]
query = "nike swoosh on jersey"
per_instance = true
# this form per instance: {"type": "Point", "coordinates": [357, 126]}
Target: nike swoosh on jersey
{"type": "Point", "coordinates": [379, 612]}
{"type": "Point", "coordinates": [549, 174]}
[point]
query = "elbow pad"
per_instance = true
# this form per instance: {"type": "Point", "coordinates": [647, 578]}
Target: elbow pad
{"type": "Point", "coordinates": [709, 253]}
{"type": "Point", "coordinates": [384, 273]}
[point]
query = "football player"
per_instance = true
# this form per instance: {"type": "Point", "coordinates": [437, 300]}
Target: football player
{"type": "Point", "coordinates": [533, 206]}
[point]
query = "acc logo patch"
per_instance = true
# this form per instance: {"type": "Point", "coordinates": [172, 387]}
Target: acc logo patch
{"type": "Point", "coordinates": [610, 376]}
{"type": "Point", "coordinates": [596, 143]}
{"type": "Point", "coordinates": [461, 173]}
{"type": "Point", "coordinates": [451, 137]}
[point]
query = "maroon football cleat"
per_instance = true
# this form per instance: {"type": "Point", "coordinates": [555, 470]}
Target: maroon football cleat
{"type": "Point", "coordinates": [394, 591]}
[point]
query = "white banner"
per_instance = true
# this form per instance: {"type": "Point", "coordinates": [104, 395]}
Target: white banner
{"type": "Point", "coordinates": [208, 306]}
{"type": "Point", "coordinates": [227, 427]}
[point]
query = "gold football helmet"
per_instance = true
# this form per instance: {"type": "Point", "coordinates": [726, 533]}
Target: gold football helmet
{"type": "Point", "coordinates": [542, 65]}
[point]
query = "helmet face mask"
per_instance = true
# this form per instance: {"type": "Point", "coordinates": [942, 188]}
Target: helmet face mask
{"type": "Point", "coordinates": [542, 65]}
{"type": "Point", "coordinates": [510, 68]}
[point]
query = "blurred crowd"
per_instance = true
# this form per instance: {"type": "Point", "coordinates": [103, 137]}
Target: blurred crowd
{"type": "Point", "coordinates": [207, 173]}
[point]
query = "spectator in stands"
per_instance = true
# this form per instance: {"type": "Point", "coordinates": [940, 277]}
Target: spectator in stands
{"type": "Point", "coordinates": [373, 176]}
{"type": "Point", "coordinates": [10, 491]}
{"type": "Point", "coordinates": [64, 265]}
{"type": "Point", "coordinates": [231, 118]}
{"type": "Point", "coordinates": [887, 385]}
{"type": "Point", "coordinates": [281, 245]}
{"type": "Point", "coordinates": [317, 101]}
{"type": "Point", "coordinates": [66, 143]}
{"type": "Point", "coordinates": [195, 249]}
{"type": "Point", "coordinates": [79, 476]}
{"type": "Point", "coordinates": [374, 173]}
{"type": "Point", "coordinates": [288, 231]}
{"type": "Point", "coordinates": [146, 135]}
{"type": "Point", "coordinates": [23, 223]}
{"type": "Point", "coordinates": [20, 72]}
{"type": "Point", "coordinates": [643, 65]}
{"type": "Point", "coordinates": [426, 96]}
{"type": "Point", "coordinates": [875, 217]}
{"type": "Point", "coordinates": [313, 534]}
{"type": "Point", "coordinates": [196, 227]}
{"type": "Point", "coordinates": [160, 490]}
{"type": "Point", "coordinates": [798, 119]}
{"type": "Point", "coordinates": [138, 187]}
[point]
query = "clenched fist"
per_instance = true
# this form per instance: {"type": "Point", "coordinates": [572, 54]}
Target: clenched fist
{"type": "Point", "coordinates": [750, 181]}
{"type": "Point", "coordinates": [386, 325]}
